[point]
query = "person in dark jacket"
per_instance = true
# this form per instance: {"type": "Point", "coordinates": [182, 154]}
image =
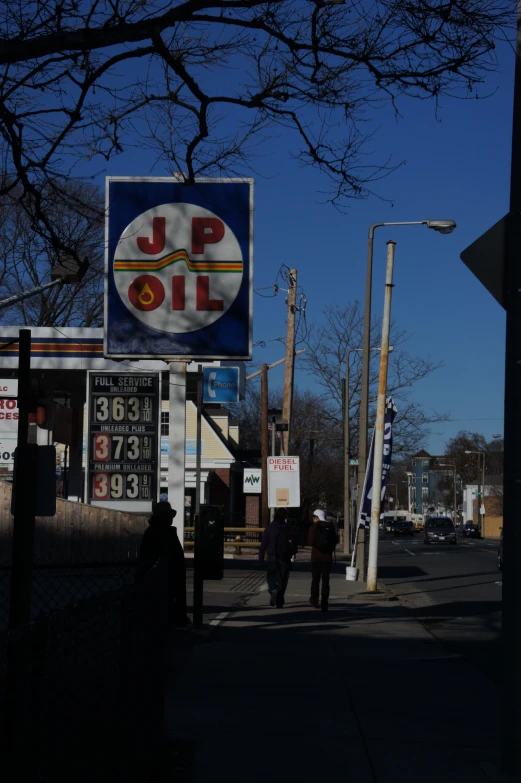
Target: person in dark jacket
{"type": "Point", "coordinates": [321, 557]}
{"type": "Point", "coordinates": [278, 541]}
{"type": "Point", "coordinates": [161, 539]}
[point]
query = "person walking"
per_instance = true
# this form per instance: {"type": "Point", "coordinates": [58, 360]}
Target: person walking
{"type": "Point", "coordinates": [322, 538]}
{"type": "Point", "coordinates": [160, 539]}
{"type": "Point", "coordinates": [280, 544]}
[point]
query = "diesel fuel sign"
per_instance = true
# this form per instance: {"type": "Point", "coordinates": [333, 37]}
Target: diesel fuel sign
{"type": "Point", "coordinates": [123, 440]}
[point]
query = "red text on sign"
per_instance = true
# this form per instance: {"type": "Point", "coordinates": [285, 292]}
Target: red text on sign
{"type": "Point", "coordinates": [206, 231]}
{"type": "Point", "coordinates": [157, 243]}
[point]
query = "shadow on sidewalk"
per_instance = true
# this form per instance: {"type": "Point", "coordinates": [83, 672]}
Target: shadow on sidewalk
{"type": "Point", "coordinates": [361, 691]}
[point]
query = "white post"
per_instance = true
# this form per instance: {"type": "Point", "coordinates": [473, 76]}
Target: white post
{"type": "Point", "coordinates": [177, 444]}
{"type": "Point", "coordinates": [372, 568]}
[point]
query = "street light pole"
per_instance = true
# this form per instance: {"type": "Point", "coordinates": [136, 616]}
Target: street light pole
{"type": "Point", "coordinates": [347, 504]}
{"type": "Point", "coordinates": [443, 227]}
{"type": "Point", "coordinates": [376, 502]}
{"type": "Point", "coordinates": [347, 471]}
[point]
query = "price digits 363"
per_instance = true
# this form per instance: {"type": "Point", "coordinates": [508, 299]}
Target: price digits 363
{"type": "Point", "coordinates": [123, 409]}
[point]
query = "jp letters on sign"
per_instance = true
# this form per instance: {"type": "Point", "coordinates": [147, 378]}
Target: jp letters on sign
{"type": "Point", "coordinates": [175, 268]}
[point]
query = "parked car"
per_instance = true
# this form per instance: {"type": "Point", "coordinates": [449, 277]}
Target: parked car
{"type": "Point", "coordinates": [500, 552]}
{"type": "Point", "coordinates": [439, 529]}
{"type": "Point", "coordinates": [469, 530]}
{"type": "Point", "coordinates": [402, 527]}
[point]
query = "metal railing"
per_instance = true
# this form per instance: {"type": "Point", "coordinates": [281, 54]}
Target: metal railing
{"type": "Point", "coordinates": [236, 538]}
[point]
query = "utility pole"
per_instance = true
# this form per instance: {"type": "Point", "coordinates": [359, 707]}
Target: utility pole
{"type": "Point", "coordinates": [265, 512]}
{"type": "Point", "coordinates": [511, 735]}
{"type": "Point", "coordinates": [372, 568]}
{"type": "Point", "coordinates": [289, 368]}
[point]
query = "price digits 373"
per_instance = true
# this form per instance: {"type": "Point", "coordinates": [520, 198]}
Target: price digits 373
{"type": "Point", "coordinates": [121, 447]}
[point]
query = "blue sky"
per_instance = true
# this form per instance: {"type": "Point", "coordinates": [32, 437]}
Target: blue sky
{"type": "Point", "coordinates": [457, 166]}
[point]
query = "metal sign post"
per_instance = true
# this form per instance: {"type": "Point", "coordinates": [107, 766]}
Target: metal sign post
{"type": "Point", "coordinates": [198, 576]}
{"type": "Point", "coordinates": [24, 496]}
{"type": "Point", "coordinates": [176, 443]}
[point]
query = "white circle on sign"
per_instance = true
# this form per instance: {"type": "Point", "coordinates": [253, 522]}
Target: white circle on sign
{"type": "Point", "coordinates": [178, 268]}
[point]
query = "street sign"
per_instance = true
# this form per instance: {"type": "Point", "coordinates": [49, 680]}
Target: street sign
{"type": "Point", "coordinates": [8, 420]}
{"type": "Point", "coordinates": [179, 266]}
{"type": "Point", "coordinates": [252, 481]}
{"type": "Point", "coordinates": [123, 442]}
{"type": "Point", "coordinates": [283, 481]}
{"type": "Point", "coordinates": [486, 257]}
{"type": "Point", "coordinates": [482, 510]}
{"type": "Point", "coordinates": [220, 384]}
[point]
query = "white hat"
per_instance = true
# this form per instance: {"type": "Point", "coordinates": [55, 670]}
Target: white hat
{"type": "Point", "coordinates": [320, 513]}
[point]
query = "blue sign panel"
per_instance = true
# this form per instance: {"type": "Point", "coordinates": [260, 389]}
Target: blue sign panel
{"type": "Point", "coordinates": [220, 384]}
{"type": "Point", "coordinates": [179, 267]}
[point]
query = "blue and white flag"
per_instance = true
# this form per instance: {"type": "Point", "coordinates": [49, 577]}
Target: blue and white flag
{"type": "Point", "coordinates": [364, 516]}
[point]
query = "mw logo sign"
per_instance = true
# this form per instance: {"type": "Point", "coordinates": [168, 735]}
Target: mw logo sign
{"type": "Point", "coordinates": [252, 480]}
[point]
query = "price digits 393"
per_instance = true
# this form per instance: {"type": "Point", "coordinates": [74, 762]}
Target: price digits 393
{"type": "Point", "coordinates": [116, 486]}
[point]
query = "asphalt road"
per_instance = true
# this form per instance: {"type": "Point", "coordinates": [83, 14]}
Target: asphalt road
{"type": "Point", "coordinates": [454, 591]}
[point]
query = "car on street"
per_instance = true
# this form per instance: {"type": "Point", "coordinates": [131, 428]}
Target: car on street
{"type": "Point", "coordinates": [500, 552]}
{"type": "Point", "coordinates": [439, 529]}
{"type": "Point", "coordinates": [402, 527]}
{"type": "Point", "coordinates": [469, 530]}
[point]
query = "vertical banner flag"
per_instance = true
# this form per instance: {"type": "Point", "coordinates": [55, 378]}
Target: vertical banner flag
{"type": "Point", "coordinates": [364, 517]}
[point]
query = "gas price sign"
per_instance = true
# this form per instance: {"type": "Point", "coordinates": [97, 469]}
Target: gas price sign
{"type": "Point", "coordinates": [123, 442]}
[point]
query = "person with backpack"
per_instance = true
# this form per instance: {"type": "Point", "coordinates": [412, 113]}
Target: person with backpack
{"type": "Point", "coordinates": [322, 538]}
{"type": "Point", "coordinates": [280, 544]}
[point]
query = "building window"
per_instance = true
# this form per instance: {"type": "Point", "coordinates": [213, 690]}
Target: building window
{"type": "Point", "coordinates": [413, 478]}
{"type": "Point", "coordinates": [165, 418]}
{"type": "Point", "coordinates": [413, 463]}
{"type": "Point", "coordinates": [425, 492]}
{"type": "Point", "coordinates": [413, 494]}
{"type": "Point", "coordinates": [426, 463]}
{"type": "Point", "coordinates": [425, 478]}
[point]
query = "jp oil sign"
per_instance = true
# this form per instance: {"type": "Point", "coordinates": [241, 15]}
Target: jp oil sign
{"type": "Point", "coordinates": [178, 268]}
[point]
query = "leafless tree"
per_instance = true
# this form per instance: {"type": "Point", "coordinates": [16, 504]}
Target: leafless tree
{"type": "Point", "coordinates": [27, 256]}
{"type": "Point", "coordinates": [316, 439]}
{"type": "Point", "coordinates": [204, 83]}
{"type": "Point", "coordinates": [340, 330]}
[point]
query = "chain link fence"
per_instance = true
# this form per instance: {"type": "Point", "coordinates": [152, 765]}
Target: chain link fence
{"type": "Point", "coordinates": [81, 687]}
{"type": "Point", "coordinates": [58, 586]}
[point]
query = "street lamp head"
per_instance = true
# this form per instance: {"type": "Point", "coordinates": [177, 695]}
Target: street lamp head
{"type": "Point", "coordinates": [441, 226]}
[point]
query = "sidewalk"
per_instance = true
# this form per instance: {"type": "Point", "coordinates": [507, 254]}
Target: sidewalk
{"type": "Point", "coordinates": [362, 693]}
